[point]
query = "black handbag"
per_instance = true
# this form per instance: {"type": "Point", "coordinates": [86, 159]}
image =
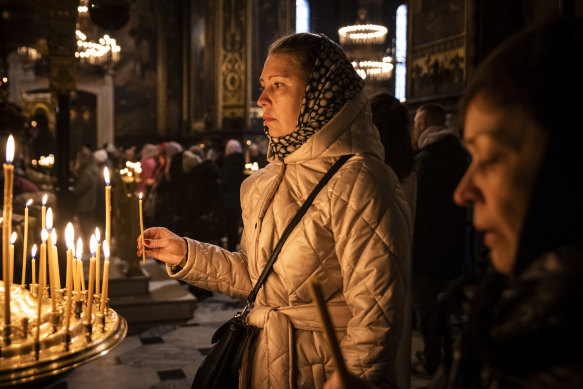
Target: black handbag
{"type": "Point", "coordinates": [220, 368]}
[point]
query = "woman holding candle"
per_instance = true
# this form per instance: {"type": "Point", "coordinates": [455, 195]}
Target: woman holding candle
{"type": "Point", "coordinates": [355, 238]}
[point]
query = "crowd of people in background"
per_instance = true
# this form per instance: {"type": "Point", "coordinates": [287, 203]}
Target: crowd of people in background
{"type": "Point", "coordinates": [192, 190]}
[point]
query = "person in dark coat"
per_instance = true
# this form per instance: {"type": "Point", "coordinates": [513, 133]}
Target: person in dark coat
{"type": "Point", "coordinates": [525, 320]}
{"type": "Point", "coordinates": [232, 176]}
{"type": "Point", "coordinates": [439, 233]}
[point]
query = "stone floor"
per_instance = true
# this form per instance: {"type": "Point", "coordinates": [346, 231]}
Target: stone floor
{"type": "Point", "coordinates": [165, 356]}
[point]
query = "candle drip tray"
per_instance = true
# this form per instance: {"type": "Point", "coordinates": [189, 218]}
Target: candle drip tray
{"type": "Point", "coordinates": [26, 357]}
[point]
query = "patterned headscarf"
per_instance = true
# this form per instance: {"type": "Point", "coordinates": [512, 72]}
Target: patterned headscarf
{"type": "Point", "coordinates": [332, 83]}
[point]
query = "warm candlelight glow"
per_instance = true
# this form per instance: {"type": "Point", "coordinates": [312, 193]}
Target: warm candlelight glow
{"type": "Point", "coordinates": [106, 250]}
{"type": "Point", "coordinates": [92, 245]}
{"type": "Point", "coordinates": [97, 235]}
{"type": "Point", "coordinates": [49, 219]}
{"type": "Point", "coordinates": [44, 201]}
{"type": "Point", "coordinates": [79, 255]}
{"type": "Point", "coordinates": [28, 203]}
{"type": "Point", "coordinates": [140, 195]}
{"type": "Point", "coordinates": [44, 235]}
{"type": "Point", "coordinates": [13, 238]}
{"type": "Point", "coordinates": [69, 236]}
{"type": "Point", "coordinates": [54, 237]}
{"type": "Point", "coordinates": [33, 264]}
{"type": "Point", "coordinates": [10, 149]}
{"type": "Point", "coordinates": [106, 175]}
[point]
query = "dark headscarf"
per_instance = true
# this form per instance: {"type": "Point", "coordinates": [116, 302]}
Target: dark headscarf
{"type": "Point", "coordinates": [332, 83]}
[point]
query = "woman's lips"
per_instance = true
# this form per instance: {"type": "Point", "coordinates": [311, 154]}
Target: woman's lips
{"type": "Point", "coordinates": [267, 118]}
{"type": "Point", "coordinates": [490, 237]}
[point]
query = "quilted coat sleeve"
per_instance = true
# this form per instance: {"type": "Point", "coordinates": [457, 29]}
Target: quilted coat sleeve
{"type": "Point", "coordinates": [372, 227]}
{"type": "Point", "coordinates": [213, 268]}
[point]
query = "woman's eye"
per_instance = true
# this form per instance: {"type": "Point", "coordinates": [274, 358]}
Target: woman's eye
{"type": "Point", "coordinates": [278, 84]}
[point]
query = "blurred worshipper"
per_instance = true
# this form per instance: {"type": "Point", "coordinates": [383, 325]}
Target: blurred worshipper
{"type": "Point", "coordinates": [148, 163]}
{"type": "Point", "coordinates": [315, 113]}
{"type": "Point", "coordinates": [158, 207]}
{"type": "Point", "coordinates": [392, 120]}
{"type": "Point", "coordinates": [440, 225]}
{"type": "Point", "coordinates": [231, 178]}
{"type": "Point", "coordinates": [255, 155]}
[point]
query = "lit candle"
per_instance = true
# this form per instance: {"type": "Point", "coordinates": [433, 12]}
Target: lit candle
{"type": "Point", "coordinates": [33, 263]}
{"type": "Point", "coordinates": [43, 213]}
{"type": "Point", "coordinates": [41, 276]}
{"type": "Point", "coordinates": [105, 288]}
{"type": "Point", "coordinates": [97, 260]}
{"type": "Point", "coordinates": [107, 206]}
{"type": "Point", "coordinates": [50, 260]}
{"type": "Point", "coordinates": [56, 260]}
{"type": "Point", "coordinates": [25, 243]}
{"type": "Point", "coordinates": [79, 255]}
{"type": "Point", "coordinates": [142, 229]}
{"type": "Point", "coordinates": [11, 256]}
{"type": "Point", "coordinates": [90, 290]}
{"type": "Point", "coordinates": [69, 238]}
{"type": "Point", "coordinates": [7, 225]}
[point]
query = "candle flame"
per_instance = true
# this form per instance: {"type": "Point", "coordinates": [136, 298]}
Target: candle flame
{"type": "Point", "coordinates": [54, 237]}
{"type": "Point", "coordinates": [106, 175]}
{"type": "Point", "coordinates": [44, 235]}
{"type": "Point", "coordinates": [33, 251]}
{"type": "Point", "coordinates": [69, 236]}
{"type": "Point", "coordinates": [1, 218]}
{"type": "Point", "coordinates": [140, 195]}
{"type": "Point", "coordinates": [13, 238]}
{"type": "Point", "coordinates": [49, 219]}
{"type": "Point", "coordinates": [28, 203]}
{"type": "Point", "coordinates": [93, 245]}
{"type": "Point", "coordinates": [10, 149]}
{"type": "Point", "coordinates": [97, 234]}
{"type": "Point", "coordinates": [79, 251]}
{"type": "Point", "coordinates": [45, 200]}
{"type": "Point", "coordinates": [105, 249]}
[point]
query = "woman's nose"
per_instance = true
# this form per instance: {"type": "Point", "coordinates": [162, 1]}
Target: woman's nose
{"type": "Point", "coordinates": [467, 193]}
{"type": "Point", "coordinates": [263, 100]}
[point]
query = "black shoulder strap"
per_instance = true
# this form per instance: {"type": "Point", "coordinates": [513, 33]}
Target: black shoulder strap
{"type": "Point", "coordinates": [290, 227]}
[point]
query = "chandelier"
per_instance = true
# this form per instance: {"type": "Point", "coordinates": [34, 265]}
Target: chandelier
{"type": "Point", "coordinates": [363, 43]}
{"type": "Point", "coordinates": [362, 34]}
{"type": "Point", "coordinates": [105, 50]}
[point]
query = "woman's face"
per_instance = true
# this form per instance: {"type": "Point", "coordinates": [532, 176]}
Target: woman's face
{"type": "Point", "coordinates": [506, 148]}
{"type": "Point", "coordinates": [284, 86]}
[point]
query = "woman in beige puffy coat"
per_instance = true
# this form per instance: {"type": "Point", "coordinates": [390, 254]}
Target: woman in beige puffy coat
{"type": "Point", "coordinates": [355, 238]}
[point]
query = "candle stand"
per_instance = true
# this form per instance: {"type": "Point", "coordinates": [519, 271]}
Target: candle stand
{"type": "Point", "coordinates": [24, 360]}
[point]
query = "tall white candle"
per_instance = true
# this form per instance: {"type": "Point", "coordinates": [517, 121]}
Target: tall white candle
{"type": "Point", "coordinates": [97, 261]}
{"type": "Point", "coordinates": [25, 241]}
{"type": "Point", "coordinates": [7, 225]}
{"type": "Point", "coordinates": [105, 288]}
{"type": "Point", "coordinates": [107, 206]}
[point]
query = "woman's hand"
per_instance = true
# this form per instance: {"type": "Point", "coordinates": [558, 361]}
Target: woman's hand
{"type": "Point", "coordinates": [353, 382]}
{"type": "Point", "coordinates": [162, 244]}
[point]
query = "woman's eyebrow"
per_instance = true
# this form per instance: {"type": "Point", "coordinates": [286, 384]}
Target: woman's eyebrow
{"type": "Point", "coordinates": [283, 75]}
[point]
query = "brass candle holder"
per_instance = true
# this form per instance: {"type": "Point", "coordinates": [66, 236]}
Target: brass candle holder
{"type": "Point", "coordinates": [23, 359]}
